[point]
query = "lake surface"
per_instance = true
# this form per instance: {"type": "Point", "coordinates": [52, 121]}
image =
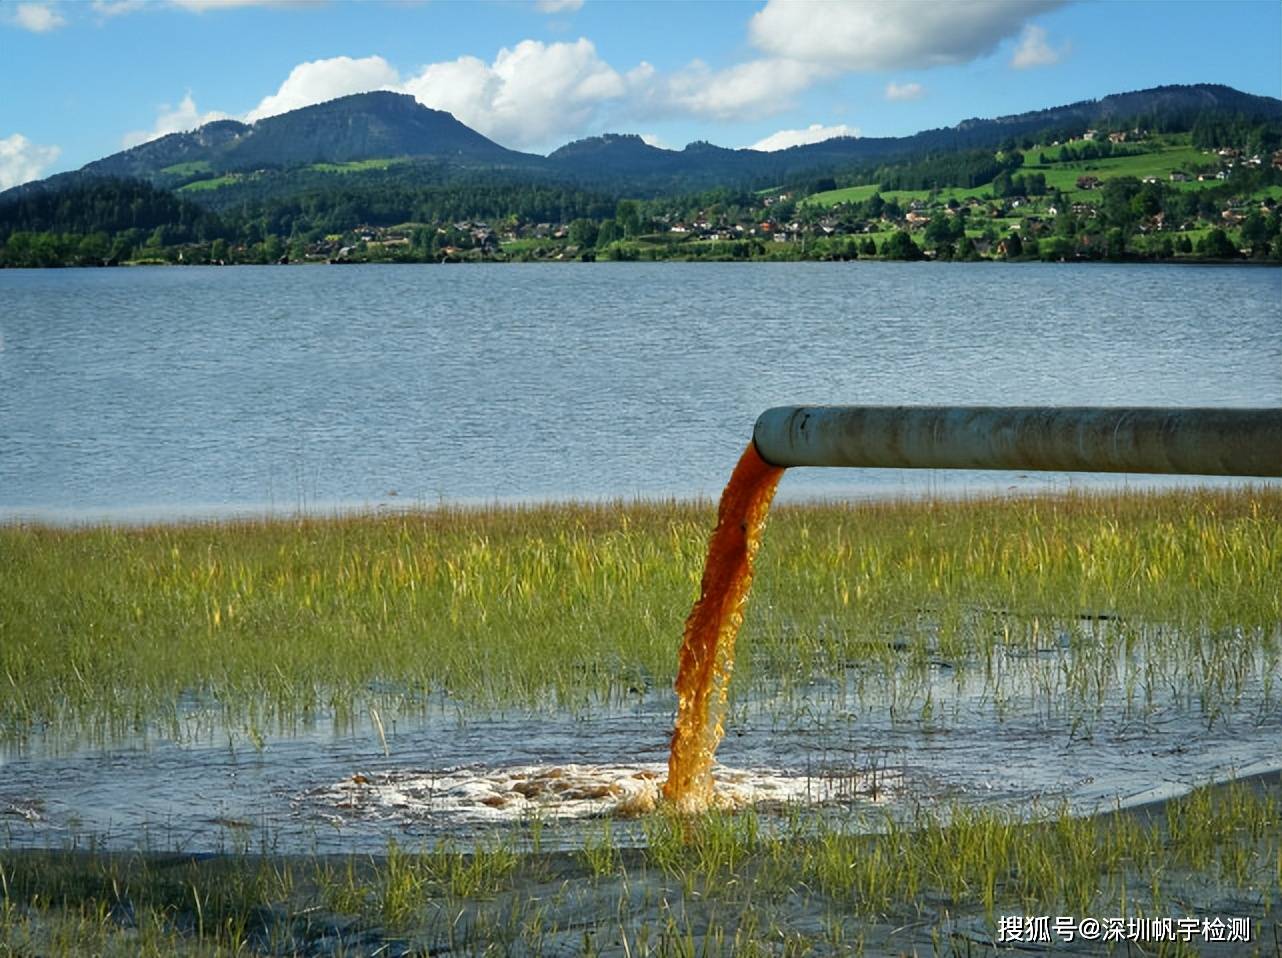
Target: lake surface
{"type": "Point", "coordinates": [137, 394]}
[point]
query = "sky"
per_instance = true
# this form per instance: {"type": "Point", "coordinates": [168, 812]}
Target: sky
{"type": "Point", "coordinates": [86, 78]}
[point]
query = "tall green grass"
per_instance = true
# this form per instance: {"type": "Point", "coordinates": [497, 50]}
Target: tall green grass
{"type": "Point", "coordinates": [109, 631]}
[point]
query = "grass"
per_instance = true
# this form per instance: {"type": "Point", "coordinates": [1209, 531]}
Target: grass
{"type": "Point", "coordinates": [110, 632]}
{"type": "Point", "coordinates": [719, 884]}
{"type": "Point", "coordinates": [1160, 164]}
{"type": "Point", "coordinates": [858, 194]}
{"type": "Point", "coordinates": [1161, 161]}
{"type": "Point", "coordinates": [107, 631]}
{"type": "Point", "coordinates": [188, 169]}
{"type": "Point", "coordinates": [356, 166]}
{"type": "Point", "coordinates": [212, 183]}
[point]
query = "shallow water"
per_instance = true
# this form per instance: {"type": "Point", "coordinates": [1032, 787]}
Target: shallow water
{"type": "Point", "coordinates": [856, 754]}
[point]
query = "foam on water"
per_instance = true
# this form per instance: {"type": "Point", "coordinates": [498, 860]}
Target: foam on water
{"type": "Point", "coordinates": [471, 796]}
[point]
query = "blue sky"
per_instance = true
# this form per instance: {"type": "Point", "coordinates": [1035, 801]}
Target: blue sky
{"type": "Point", "coordinates": [86, 78]}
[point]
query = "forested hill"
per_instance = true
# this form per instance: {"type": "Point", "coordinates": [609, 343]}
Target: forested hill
{"type": "Point", "coordinates": [703, 164]}
{"type": "Point", "coordinates": [359, 127]}
{"type": "Point", "coordinates": [216, 159]}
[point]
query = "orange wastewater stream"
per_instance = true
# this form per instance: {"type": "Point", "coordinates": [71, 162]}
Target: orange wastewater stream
{"type": "Point", "coordinates": [707, 651]}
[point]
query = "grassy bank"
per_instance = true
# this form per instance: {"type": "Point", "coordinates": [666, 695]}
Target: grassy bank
{"type": "Point", "coordinates": [107, 631]}
{"type": "Point", "coordinates": [716, 885]}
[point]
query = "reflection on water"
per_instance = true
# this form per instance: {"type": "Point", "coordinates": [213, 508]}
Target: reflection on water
{"type": "Point", "coordinates": [858, 749]}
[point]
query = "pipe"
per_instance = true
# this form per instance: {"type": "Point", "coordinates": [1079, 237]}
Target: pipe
{"type": "Point", "coordinates": [1206, 441]}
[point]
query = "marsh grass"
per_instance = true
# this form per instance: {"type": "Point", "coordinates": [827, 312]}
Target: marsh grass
{"type": "Point", "coordinates": [110, 632]}
{"type": "Point", "coordinates": [718, 884]}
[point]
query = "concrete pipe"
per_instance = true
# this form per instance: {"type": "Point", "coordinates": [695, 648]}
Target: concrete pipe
{"type": "Point", "coordinates": [1193, 441]}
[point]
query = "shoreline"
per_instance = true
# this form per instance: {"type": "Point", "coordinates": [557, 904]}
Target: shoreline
{"type": "Point", "coordinates": [575, 259]}
{"type": "Point", "coordinates": [927, 491]}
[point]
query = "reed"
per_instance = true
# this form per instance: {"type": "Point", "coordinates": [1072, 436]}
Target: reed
{"type": "Point", "coordinates": [115, 632]}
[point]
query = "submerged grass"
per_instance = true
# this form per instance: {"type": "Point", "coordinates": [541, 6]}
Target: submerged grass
{"type": "Point", "coordinates": [719, 884]}
{"type": "Point", "coordinates": [107, 631]}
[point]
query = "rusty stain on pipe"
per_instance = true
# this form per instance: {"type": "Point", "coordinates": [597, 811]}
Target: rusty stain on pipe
{"type": "Point", "coordinates": [1191, 441]}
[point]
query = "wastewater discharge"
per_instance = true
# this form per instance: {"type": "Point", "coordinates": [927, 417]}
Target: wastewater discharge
{"type": "Point", "coordinates": [707, 650]}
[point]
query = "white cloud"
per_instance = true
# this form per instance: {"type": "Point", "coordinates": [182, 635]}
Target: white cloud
{"type": "Point", "coordinates": [319, 80]}
{"type": "Point", "coordinates": [869, 35]}
{"type": "Point", "coordinates": [200, 6]}
{"type": "Point", "coordinates": [37, 17]}
{"type": "Point", "coordinates": [173, 119]}
{"type": "Point", "coordinates": [115, 8]}
{"type": "Point", "coordinates": [815, 133]}
{"type": "Point", "coordinates": [531, 93]}
{"type": "Point", "coordinates": [536, 94]}
{"type": "Point", "coordinates": [905, 91]}
{"type": "Point", "coordinates": [1034, 51]}
{"type": "Point", "coordinates": [654, 140]}
{"type": "Point", "coordinates": [22, 161]}
{"type": "Point", "coordinates": [742, 91]}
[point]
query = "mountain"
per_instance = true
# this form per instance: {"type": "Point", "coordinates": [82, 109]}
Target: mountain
{"type": "Point", "coordinates": [358, 127]}
{"type": "Point", "coordinates": [643, 168]}
{"type": "Point", "coordinates": [600, 157]}
{"type": "Point", "coordinates": [275, 157]}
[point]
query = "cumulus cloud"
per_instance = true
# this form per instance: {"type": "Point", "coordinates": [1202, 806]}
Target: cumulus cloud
{"type": "Point", "coordinates": [869, 35]}
{"type": "Point", "coordinates": [1034, 51]}
{"type": "Point", "coordinates": [654, 140]}
{"type": "Point", "coordinates": [739, 92]}
{"type": "Point", "coordinates": [22, 161]}
{"type": "Point", "coordinates": [173, 119]}
{"type": "Point", "coordinates": [320, 80]}
{"type": "Point", "coordinates": [815, 133]}
{"type": "Point", "coordinates": [116, 8]}
{"type": "Point", "coordinates": [535, 93]}
{"type": "Point", "coordinates": [37, 17]}
{"type": "Point", "coordinates": [530, 94]}
{"type": "Point", "coordinates": [200, 6]}
{"type": "Point", "coordinates": [905, 91]}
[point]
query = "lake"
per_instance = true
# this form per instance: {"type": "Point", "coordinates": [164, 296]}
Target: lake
{"type": "Point", "coordinates": [140, 394]}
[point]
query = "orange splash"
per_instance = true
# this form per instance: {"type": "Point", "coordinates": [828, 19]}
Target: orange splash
{"type": "Point", "coordinates": [707, 653]}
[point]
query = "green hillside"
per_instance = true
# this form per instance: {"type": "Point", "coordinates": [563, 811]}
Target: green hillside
{"type": "Point", "coordinates": [1160, 157]}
